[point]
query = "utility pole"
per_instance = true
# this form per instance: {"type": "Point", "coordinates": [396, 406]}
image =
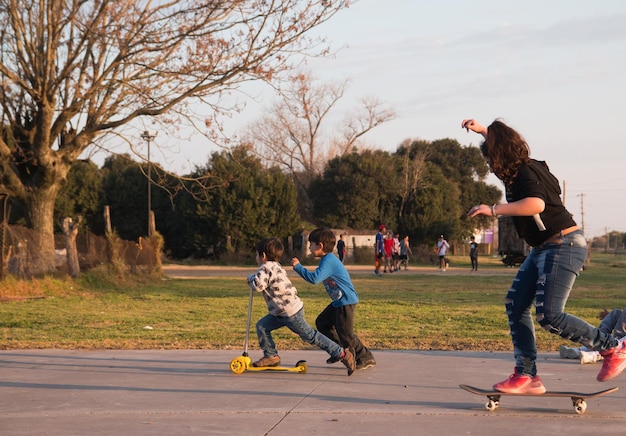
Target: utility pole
{"type": "Point", "coordinates": [582, 211]}
{"type": "Point", "coordinates": [148, 137]}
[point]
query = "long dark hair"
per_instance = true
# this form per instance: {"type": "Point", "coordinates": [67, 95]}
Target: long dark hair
{"type": "Point", "coordinates": [505, 151]}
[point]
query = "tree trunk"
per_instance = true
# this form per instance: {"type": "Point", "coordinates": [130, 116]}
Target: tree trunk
{"type": "Point", "coordinates": [40, 209]}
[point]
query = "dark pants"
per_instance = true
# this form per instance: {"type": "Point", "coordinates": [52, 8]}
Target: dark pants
{"type": "Point", "coordinates": [474, 260]}
{"type": "Point", "coordinates": [337, 323]}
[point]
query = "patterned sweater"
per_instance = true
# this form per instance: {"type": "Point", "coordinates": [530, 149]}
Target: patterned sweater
{"type": "Point", "coordinates": [281, 296]}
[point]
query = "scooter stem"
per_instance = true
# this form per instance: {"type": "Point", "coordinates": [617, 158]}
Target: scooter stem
{"type": "Point", "coordinates": [245, 344]}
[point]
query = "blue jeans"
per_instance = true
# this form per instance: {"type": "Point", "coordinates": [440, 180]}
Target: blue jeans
{"type": "Point", "coordinates": [546, 277]}
{"type": "Point", "coordinates": [297, 324]}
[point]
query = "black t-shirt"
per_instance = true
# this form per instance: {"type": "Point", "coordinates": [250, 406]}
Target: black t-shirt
{"type": "Point", "coordinates": [536, 180]}
{"type": "Point", "coordinates": [341, 246]}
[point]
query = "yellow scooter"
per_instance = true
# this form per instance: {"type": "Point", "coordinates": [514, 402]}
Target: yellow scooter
{"type": "Point", "coordinates": [243, 363]}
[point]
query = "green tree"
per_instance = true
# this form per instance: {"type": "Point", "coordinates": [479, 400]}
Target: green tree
{"type": "Point", "coordinates": [126, 193]}
{"type": "Point", "coordinates": [246, 202]}
{"type": "Point", "coordinates": [447, 193]}
{"type": "Point", "coordinates": [422, 190]}
{"type": "Point", "coordinates": [81, 195]}
{"type": "Point", "coordinates": [433, 209]}
{"type": "Point", "coordinates": [178, 217]}
{"type": "Point", "coordinates": [74, 71]}
{"type": "Point", "coordinates": [359, 190]}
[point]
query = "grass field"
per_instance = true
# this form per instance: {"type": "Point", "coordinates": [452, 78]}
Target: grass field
{"type": "Point", "coordinates": [456, 310]}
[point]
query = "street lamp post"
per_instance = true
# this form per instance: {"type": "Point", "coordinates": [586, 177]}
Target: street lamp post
{"type": "Point", "coordinates": [148, 137]}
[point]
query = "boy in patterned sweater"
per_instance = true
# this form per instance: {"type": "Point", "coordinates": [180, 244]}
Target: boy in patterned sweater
{"type": "Point", "coordinates": [286, 309]}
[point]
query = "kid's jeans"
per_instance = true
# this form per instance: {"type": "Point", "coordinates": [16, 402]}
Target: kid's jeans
{"type": "Point", "coordinates": [297, 324]}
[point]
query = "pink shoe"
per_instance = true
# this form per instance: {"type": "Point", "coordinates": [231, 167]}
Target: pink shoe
{"type": "Point", "coordinates": [613, 363]}
{"type": "Point", "coordinates": [521, 384]}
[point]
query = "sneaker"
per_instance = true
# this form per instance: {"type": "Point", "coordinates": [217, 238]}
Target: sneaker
{"type": "Point", "coordinates": [365, 364]}
{"type": "Point", "coordinates": [348, 360]}
{"type": "Point", "coordinates": [267, 361]}
{"type": "Point", "coordinates": [614, 362]}
{"type": "Point", "coordinates": [589, 357]}
{"type": "Point", "coordinates": [569, 353]}
{"type": "Point", "coordinates": [332, 360]}
{"type": "Point", "coordinates": [521, 384]}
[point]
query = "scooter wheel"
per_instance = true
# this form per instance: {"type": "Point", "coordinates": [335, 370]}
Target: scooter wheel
{"type": "Point", "coordinates": [238, 365]}
{"type": "Point", "coordinates": [302, 366]}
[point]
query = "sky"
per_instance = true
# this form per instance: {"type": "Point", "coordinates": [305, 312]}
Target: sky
{"type": "Point", "coordinates": [553, 70]}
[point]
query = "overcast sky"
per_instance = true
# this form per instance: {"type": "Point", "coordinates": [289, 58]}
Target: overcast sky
{"type": "Point", "coordinates": [554, 70]}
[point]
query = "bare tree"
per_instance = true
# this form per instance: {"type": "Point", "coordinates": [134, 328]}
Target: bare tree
{"type": "Point", "coordinates": [413, 169]}
{"type": "Point", "coordinates": [294, 133]}
{"type": "Point", "coordinates": [75, 70]}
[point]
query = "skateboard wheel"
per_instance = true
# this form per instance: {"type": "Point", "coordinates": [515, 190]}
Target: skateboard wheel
{"type": "Point", "coordinates": [492, 405]}
{"type": "Point", "coordinates": [580, 407]}
{"type": "Point", "coordinates": [238, 365]}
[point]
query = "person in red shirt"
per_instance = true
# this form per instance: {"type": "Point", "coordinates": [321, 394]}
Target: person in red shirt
{"type": "Point", "coordinates": [388, 247]}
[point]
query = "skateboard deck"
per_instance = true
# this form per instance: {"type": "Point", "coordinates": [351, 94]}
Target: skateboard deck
{"type": "Point", "coordinates": [578, 398]}
{"type": "Point", "coordinates": [243, 363]}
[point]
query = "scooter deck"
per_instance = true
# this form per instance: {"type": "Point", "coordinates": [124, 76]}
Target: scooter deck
{"type": "Point", "coordinates": [243, 363]}
{"type": "Point", "coordinates": [578, 398]}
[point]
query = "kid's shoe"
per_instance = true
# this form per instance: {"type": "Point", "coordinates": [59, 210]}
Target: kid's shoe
{"type": "Point", "coordinates": [520, 384]}
{"type": "Point", "coordinates": [614, 362]}
{"type": "Point", "coordinates": [569, 353]}
{"type": "Point", "coordinates": [366, 364]}
{"type": "Point", "coordinates": [267, 361]}
{"type": "Point", "coordinates": [332, 360]}
{"type": "Point", "coordinates": [348, 360]}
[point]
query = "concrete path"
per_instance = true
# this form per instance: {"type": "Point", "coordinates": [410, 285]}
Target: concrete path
{"type": "Point", "coordinates": [180, 392]}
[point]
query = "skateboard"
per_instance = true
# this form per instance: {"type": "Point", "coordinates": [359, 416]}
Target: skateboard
{"type": "Point", "coordinates": [243, 363]}
{"type": "Point", "coordinates": [578, 398]}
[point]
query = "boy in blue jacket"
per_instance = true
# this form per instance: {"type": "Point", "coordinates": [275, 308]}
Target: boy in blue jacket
{"type": "Point", "coordinates": [337, 320]}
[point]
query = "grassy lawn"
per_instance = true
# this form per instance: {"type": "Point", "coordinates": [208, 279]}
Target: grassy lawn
{"type": "Point", "coordinates": [398, 311]}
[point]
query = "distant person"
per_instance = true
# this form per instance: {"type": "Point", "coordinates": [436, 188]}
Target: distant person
{"type": "Point", "coordinates": [388, 248]}
{"type": "Point", "coordinates": [612, 322]}
{"type": "Point", "coordinates": [285, 308]}
{"type": "Point", "coordinates": [337, 320]}
{"type": "Point", "coordinates": [545, 278]}
{"type": "Point", "coordinates": [442, 248]}
{"type": "Point", "coordinates": [473, 253]}
{"type": "Point", "coordinates": [341, 248]}
{"type": "Point", "coordinates": [405, 250]}
{"type": "Point", "coordinates": [395, 254]}
{"type": "Point", "coordinates": [379, 249]}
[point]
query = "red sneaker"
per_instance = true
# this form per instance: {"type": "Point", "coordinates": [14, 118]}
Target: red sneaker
{"type": "Point", "coordinates": [614, 362]}
{"type": "Point", "coordinates": [521, 384]}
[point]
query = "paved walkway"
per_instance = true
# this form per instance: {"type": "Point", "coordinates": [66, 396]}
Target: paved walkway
{"type": "Point", "coordinates": [180, 392]}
